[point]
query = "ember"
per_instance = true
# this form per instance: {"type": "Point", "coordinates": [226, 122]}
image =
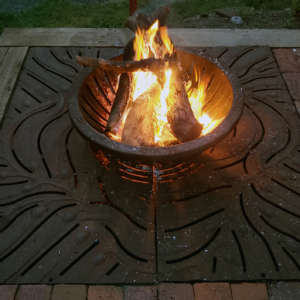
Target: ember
{"type": "Point", "coordinates": [157, 104]}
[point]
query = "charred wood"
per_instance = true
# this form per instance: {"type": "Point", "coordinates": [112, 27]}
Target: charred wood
{"type": "Point", "coordinates": [180, 116]}
{"type": "Point", "coordinates": [144, 21]}
{"type": "Point", "coordinates": [122, 100]}
{"type": "Point", "coordinates": [153, 65]}
{"type": "Point", "coordinates": [123, 95]}
{"type": "Point", "coordinates": [139, 129]}
{"type": "Point", "coordinates": [156, 66]}
{"type": "Point", "coordinates": [167, 138]}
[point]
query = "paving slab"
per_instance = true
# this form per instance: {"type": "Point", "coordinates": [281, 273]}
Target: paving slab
{"type": "Point", "coordinates": [34, 292]}
{"type": "Point", "coordinates": [69, 292]}
{"type": "Point", "coordinates": [215, 291]}
{"type": "Point", "coordinates": [118, 37]}
{"type": "Point", "coordinates": [11, 62]}
{"type": "Point", "coordinates": [296, 52]}
{"type": "Point", "coordinates": [293, 83]}
{"type": "Point", "coordinates": [105, 292]}
{"type": "Point", "coordinates": [7, 292]}
{"type": "Point", "coordinates": [284, 291]}
{"type": "Point", "coordinates": [286, 60]}
{"type": "Point", "coordinates": [168, 291]}
{"type": "Point", "coordinates": [56, 240]}
{"type": "Point", "coordinates": [249, 291]}
{"type": "Point", "coordinates": [297, 104]}
{"type": "Point", "coordinates": [140, 293]}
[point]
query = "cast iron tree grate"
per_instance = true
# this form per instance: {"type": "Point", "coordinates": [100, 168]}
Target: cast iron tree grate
{"type": "Point", "coordinates": [67, 218]}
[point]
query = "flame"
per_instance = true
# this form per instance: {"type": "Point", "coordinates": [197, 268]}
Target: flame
{"type": "Point", "coordinates": [146, 45]}
{"type": "Point", "coordinates": [162, 108]}
{"type": "Point", "coordinates": [196, 97]}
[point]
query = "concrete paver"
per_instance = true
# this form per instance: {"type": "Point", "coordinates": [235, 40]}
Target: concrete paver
{"type": "Point", "coordinates": [140, 293]}
{"type": "Point", "coordinates": [286, 60]}
{"type": "Point", "coordinates": [105, 292]}
{"type": "Point", "coordinates": [297, 104]}
{"type": "Point", "coordinates": [284, 291]}
{"type": "Point", "coordinates": [296, 52]}
{"type": "Point", "coordinates": [69, 292]}
{"type": "Point", "coordinates": [293, 83]}
{"type": "Point", "coordinates": [215, 291]}
{"type": "Point", "coordinates": [168, 291]}
{"type": "Point", "coordinates": [7, 292]}
{"type": "Point", "coordinates": [289, 63]}
{"type": "Point", "coordinates": [119, 37]}
{"type": "Point", "coordinates": [34, 292]}
{"type": "Point", "coordinates": [249, 291]}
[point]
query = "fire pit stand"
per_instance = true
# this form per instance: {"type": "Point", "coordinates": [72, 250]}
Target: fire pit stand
{"type": "Point", "coordinates": [67, 218]}
{"type": "Point", "coordinates": [224, 95]}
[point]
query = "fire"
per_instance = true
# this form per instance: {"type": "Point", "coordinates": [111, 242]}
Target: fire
{"type": "Point", "coordinates": [146, 46]}
{"type": "Point", "coordinates": [196, 98]}
{"type": "Point", "coordinates": [162, 109]}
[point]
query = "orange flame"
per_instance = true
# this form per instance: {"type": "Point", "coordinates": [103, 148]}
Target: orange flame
{"type": "Point", "coordinates": [146, 46]}
{"type": "Point", "coordinates": [197, 97]}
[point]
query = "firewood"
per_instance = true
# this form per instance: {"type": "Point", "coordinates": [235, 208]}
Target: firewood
{"type": "Point", "coordinates": [161, 14]}
{"type": "Point", "coordinates": [123, 95]}
{"type": "Point", "coordinates": [139, 129]}
{"type": "Point", "coordinates": [153, 65]}
{"type": "Point", "coordinates": [156, 66]}
{"type": "Point", "coordinates": [138, 20]}
{"type": "Point", "coordinates": [180, 116]}
{"type": "Point", "coordinates": [167, 138]}
{"type": "Point", "coordinates": [121, 103]}
{"type": "Point", "coordinates": [144, 21]}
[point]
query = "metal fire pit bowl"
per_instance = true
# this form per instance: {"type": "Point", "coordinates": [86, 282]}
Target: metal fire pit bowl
{"type": "Point", "coordinates": [94, 90]}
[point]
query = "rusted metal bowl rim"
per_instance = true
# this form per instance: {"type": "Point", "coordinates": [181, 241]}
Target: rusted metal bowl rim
{"type": "Point", "coordinates": [160, 154]}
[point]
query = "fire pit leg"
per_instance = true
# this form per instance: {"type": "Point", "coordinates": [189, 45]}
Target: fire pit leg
{"type": "Point", "coordinates": [132, 6]}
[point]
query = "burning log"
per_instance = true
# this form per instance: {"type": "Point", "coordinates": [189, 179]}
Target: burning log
{"type": "Point", "coordinates": [156, 66]}
{"type": "Point", "coordinates": [139, 129]}
{"type": "Point", "coordinates": [144, 21]}
{"type": "Point", "coordinates": [122, 100]}
{"type": "Point", "coordinates": [180, 116]}
{"type": "Point", "coordinates": [167, 138]}
{"type": "Point", "coordinates": [123, 95]}
{"type": "Point", "coordinates": [166, 100]}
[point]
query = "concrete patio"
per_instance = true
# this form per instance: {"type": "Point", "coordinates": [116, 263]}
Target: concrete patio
{"type": "Point", "coordinates": [14, 47]}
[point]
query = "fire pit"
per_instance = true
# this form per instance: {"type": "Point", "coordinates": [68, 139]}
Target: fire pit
{"type": "Point", "coordinates": [93, 94]}
{"type": "Point", "coordinates": [224, 99]}
{"type": "Point", "coordinates": [155, 103]}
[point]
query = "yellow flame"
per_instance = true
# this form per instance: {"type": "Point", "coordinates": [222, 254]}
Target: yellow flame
{"type": "Point", "coordinates": [208, 123]}
{"type": "Point", "coordinates": [142, 82]}
{"type": "Point", "coordinates": [146, 46]}
{"type": "Point", "coordinates": [143, 45]}
{"type": "Point", "coordinates": [162, 108]}
{"type": "Point", "coordinates": [197, 97]}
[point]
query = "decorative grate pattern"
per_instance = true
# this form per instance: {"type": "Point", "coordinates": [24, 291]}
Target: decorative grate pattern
{"type": "Point", "coordinates": [67, 218]}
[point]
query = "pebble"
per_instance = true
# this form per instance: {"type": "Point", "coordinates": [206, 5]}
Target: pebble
{"type": "Point", "coordinates": [236, 20]}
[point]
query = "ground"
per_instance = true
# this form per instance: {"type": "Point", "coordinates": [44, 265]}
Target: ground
{"type": "Point", "coordinates": [251, 19]}
{"type": "Point", "coordinates": [113, 13]}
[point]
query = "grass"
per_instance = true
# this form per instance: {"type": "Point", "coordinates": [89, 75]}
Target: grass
{"type": "Point", "coordinates": [297, 9]}
{"type": "Point", "coordinates": [63, 13]}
